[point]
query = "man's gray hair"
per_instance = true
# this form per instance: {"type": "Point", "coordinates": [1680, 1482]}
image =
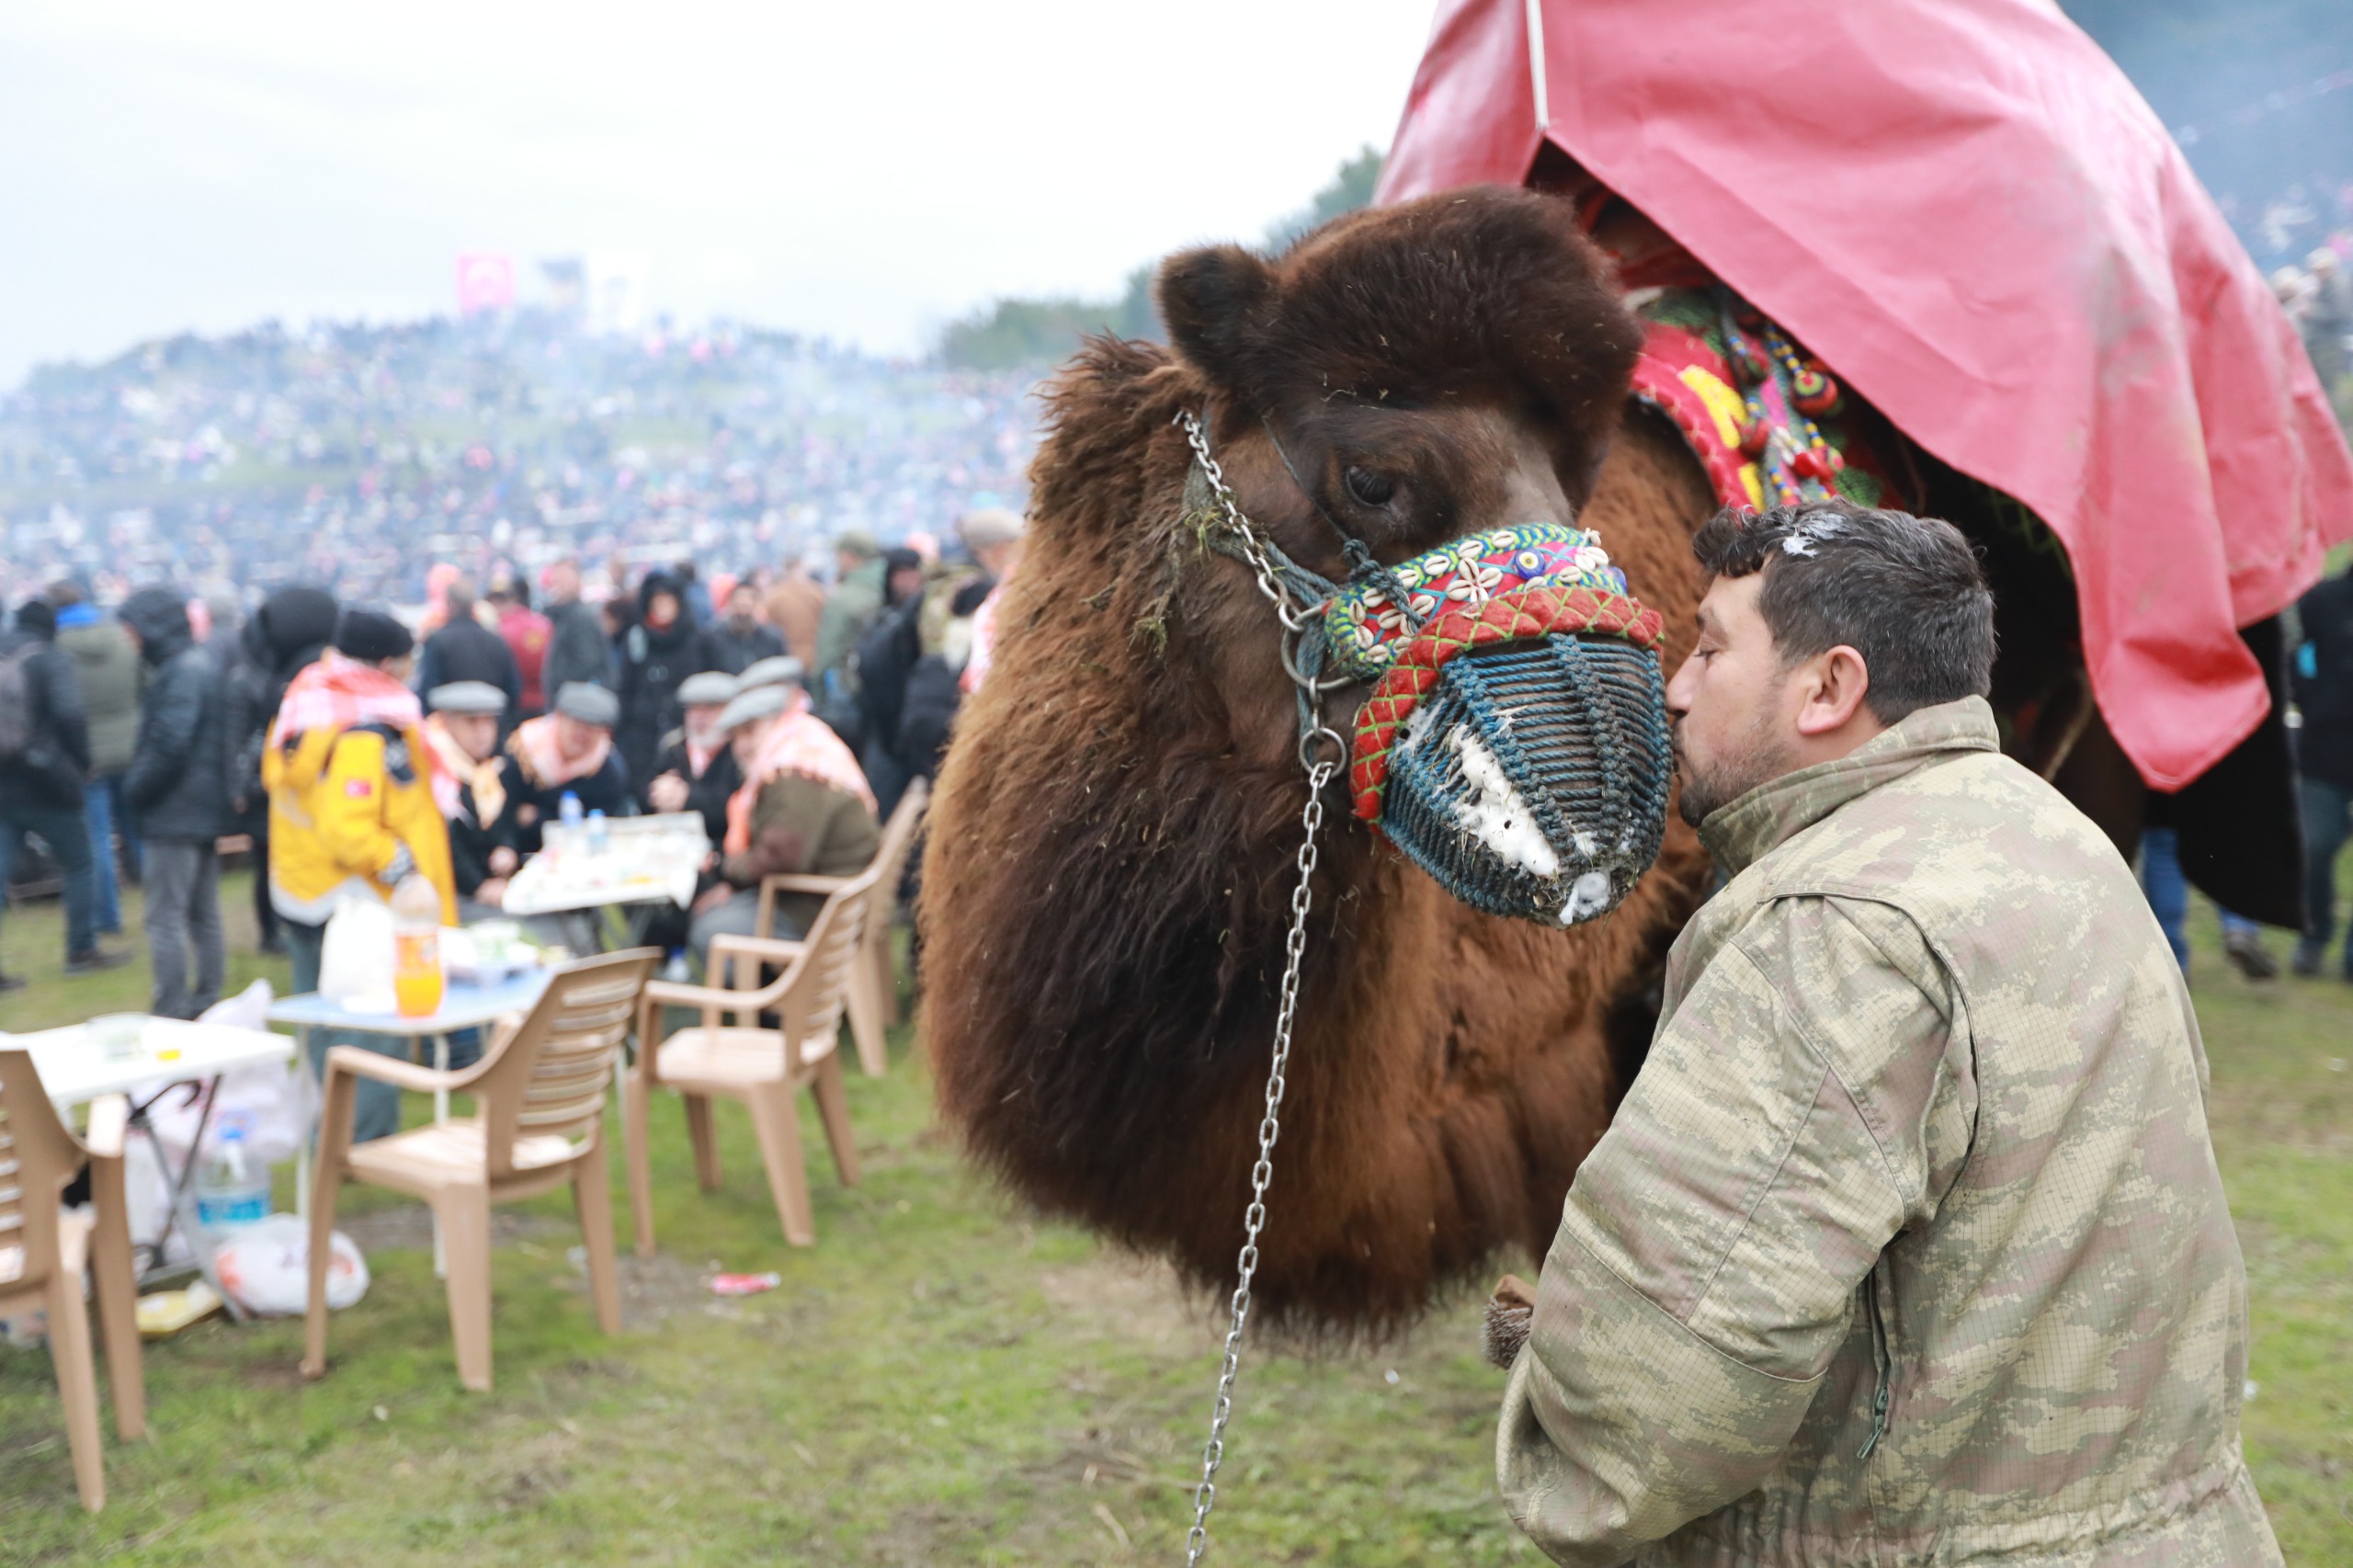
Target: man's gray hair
{"type": "Point", "coordinates": [1904, 592]}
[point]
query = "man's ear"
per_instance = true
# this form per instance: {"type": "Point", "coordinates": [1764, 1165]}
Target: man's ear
{"type": "Point", "coordinates": [1841, 681]}
{"type": "Point", "coordinates": [1208, 298]}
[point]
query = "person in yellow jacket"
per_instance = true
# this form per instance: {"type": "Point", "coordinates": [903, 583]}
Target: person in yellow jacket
{"type": "Point", "coordinates": [354, 808]}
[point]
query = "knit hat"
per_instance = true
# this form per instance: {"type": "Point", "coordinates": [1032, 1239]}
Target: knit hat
{"type": "Point", "coordinates": [477, 697]}
{"type": "Point", "coordinates": [759, 703]}
{"type": "Point", "coordinates": [37, 618]}
{"type": "Point", "coordinates": [711, 688]}
{"type": "Point", "coordinates": [370, 635]}
{"type": "Point", "coordinates": [589, 703]}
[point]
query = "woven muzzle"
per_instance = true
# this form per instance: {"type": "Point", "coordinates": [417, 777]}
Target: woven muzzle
{"type": "Point", "coordinates": [1516, 746]}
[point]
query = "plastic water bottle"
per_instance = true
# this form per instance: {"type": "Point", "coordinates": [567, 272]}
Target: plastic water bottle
{"type": "Point", "coordinates": [567, 812]}
{"type": "Point", "coordinates": [599, 835]}
{"type": "Point", "coordinates": [232, 1187]}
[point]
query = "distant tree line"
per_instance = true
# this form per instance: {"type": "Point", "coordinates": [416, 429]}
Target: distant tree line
{"type": "Point", "coordinates": [1015, 332]}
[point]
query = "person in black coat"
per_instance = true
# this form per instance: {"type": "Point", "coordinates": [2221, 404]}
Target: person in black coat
{"type": "Point", "coordinates": [568, 750]}
{"type": "Point", "coordinates": [657, 654]}
{"type": "Point", "coordinates": [466, 649]}
{"type": "Point", "coordinates": [2323, 689]}
{"type": "Point", "coordinates": [178, 791]}
{"type": "Point", "coordinates": [696, 769]}
{"type": "Point", "coordinates": [462, 730]}
{"type": "Point", "coordinates": [741, 639]}
{"type": "Point", "coordinates": [278, 640]}
{"type": "Point", "coordinates": [576, 646]}
{"type": "Point", "coordinates": [40, 778]}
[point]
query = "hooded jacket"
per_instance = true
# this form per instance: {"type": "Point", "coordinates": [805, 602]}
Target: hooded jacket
{"type": "Point", "coordinates": [51, 770]}
{"type": "Point", "coordinates": [654, 664]}
{"type": "Point", "coordinates": [1907, 1246]}
{"type": "Point", "coordinates": [290, 630]}
{"type": "Point", "coordinates": [107, 666]}
{"type": "Point", "coordinates": [177, 786]}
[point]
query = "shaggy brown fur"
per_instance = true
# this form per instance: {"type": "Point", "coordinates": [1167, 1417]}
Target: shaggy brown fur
{"type": "Point", "coordinates": [1112, 848]}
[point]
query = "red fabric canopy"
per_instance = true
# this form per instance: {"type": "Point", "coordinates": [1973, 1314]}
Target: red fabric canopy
{"type": "Point", "coordinates": [1970, 215]}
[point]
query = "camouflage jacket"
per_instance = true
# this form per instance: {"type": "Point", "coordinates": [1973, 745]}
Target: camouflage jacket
{"type": "Point", "coordinates": [1907, 1245]}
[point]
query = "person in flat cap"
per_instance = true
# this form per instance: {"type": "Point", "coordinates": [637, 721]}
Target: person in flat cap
{"type": "Point", "coordinates": [785, 670]}
{"type": "Point", "coordinates": [568, 750]}
{"type": "Point", "coordinates": [358, 800]}
{"type": "Point", "coordinates": [695, 771]}
{"type": "Point", "coordinates": [850, 608]}
{"type": "Point", "coordinates": [462, 730]}
{"type": "Point", "coordinates": [803, 806]}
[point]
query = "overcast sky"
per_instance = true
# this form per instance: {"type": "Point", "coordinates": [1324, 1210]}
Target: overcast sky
{"type": "Point", "coordinates": [867, 168]}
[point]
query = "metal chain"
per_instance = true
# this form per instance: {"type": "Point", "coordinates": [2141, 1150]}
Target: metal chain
{"type": "Point", "coordinates": [1320, 770]}
{"type": "Point", "coordinates": [1197, 1542]}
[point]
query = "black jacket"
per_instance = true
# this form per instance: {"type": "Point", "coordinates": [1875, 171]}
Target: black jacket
{"type": "Point", "coordinates": [278, 641]}
{"type": "Point", "coordinates": [724, 647]}
{"type": "Point", "coordinates": [708, 794]}
{"type": "Point", "coordinates": [471, 843]}
{"type": "Point", "coordinates": [577, 649]}
{"type": "Point", "coordinates": [654, 664]}
{"type": "Point", "coordinates": [529, 805]}
{"type": "Point", "coordinates": [2324, 683]}
{"type": "Point", "coordinates": [178, 785]}
{"type": "Point", "coordinates": [467, 650]}
{"type": "Point", "coordinates": [51, 769]}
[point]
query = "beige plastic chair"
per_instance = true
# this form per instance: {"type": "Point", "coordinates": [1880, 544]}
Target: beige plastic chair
{"type": "Point", "coordinates": [765, 1068]}
{"type": "Point", "coordinates": [873, 998]}
{"type": "Point", "coordinates": [538, 1122]}
{"type": "Point", "coordinates": [44, 1250]}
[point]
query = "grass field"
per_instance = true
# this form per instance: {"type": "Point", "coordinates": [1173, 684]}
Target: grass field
{"type": "Point", "coordinates": [945, 1380]}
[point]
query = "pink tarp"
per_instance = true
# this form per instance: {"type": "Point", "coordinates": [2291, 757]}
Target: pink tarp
{"type": "Point", "coordinates": [1970, 215]}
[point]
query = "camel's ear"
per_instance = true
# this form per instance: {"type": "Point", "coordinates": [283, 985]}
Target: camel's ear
{"type": "Point", "coordinates": [1207, 297]}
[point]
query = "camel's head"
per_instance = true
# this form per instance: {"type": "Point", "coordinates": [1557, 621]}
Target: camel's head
{"type": "Point", "coordinates": [1436, 383]}
{"type": "Point", "coordinates": [1111, 849]}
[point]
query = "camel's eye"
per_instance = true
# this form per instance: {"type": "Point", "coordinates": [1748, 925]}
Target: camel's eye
{"type": "Point", "coordinates": [1370, 488]}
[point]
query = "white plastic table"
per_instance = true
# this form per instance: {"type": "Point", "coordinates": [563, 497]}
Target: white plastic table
{"type": "Point", "coordinates": [74, 1069]}
{"type": "Point", "coordinates": [646, 859]}
{"type": "Point", "coordinates": [463, 1007]}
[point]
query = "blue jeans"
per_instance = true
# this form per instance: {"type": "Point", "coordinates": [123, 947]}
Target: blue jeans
{"type": "Point", "coordinates": [2328, 821]}
{"type": "Point", "coordinates": [68, 837]}
{"type": "Point", "coordinates": [2168, 893]}
{"type": "Point", "coordinates": [98, 809]}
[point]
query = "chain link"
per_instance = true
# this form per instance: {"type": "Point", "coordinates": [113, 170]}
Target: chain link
{"type": "Point", "coordinates": [1270, 1127]}
{"type": "Point", "coordinates": [1246, 536]}
{"type": "Point", "coordinates": [1303, 899]}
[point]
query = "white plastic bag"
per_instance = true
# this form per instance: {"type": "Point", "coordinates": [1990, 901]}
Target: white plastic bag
{"type": "Point", "coordinates": [265, 1267]}
{"type": "Point", "coordinates": [356, 959]}
{"type": "Point", "coordinates": [273, 1102]}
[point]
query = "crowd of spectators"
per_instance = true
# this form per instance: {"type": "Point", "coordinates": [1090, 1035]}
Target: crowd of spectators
{"type": "Point", "coordinates": [359, 456]}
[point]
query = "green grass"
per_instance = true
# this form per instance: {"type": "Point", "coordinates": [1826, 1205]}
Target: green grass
{"type": "Point", "coordinates": [946, 1380]}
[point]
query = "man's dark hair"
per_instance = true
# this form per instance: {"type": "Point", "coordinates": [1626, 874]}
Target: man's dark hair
{"type": "Point", "coordinates": [1904, 592]}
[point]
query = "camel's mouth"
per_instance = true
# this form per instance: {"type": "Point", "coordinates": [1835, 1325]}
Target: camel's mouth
{"type": "Point", "coordinates": [1516, 746]}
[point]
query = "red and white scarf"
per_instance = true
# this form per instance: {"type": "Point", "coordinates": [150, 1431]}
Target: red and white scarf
{"type": "Point", "coordinates": [340, 693]}
{"type": "Point", "coordinates": [533, 744]}
{"type": "Point", "coordinates": [804, 745]}
{"type": "Point", "coordinates": [490, 795]}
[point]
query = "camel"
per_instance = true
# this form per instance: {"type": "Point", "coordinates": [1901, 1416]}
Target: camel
{"type": "Point", "coordinates": [1110, 860]}
{"type": "Point", "coordinates": [1106, 885]}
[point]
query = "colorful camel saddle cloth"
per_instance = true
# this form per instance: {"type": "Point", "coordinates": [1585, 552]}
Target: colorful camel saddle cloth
{"type": "Point", "coordinates": [1768, 424]}
{"type": "Point", "coordinates": [1515, 745]}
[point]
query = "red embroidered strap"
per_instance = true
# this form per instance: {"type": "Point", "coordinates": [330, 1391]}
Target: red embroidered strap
{"type": "Point", "coordinates": [1511, 616]}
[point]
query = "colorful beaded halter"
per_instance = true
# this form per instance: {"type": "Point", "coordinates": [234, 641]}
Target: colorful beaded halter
{"type": "Point", "coordinates": [1515, 745]}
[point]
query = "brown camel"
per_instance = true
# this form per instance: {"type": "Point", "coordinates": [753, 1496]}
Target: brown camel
{"type": "Point", "coordinates": [1111, 857]}
{"type": "Point", "coordinates": [1111, 849]}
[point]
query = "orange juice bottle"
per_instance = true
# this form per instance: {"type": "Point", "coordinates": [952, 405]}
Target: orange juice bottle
{"type": "Point", "coordinates": [416, 947]}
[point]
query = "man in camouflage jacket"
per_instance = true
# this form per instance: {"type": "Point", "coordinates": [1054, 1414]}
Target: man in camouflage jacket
{"type": "Point", "coordinates": [1907, 1245]}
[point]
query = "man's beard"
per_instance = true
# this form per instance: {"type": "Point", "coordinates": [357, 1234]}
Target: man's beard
{"type": "Point", "coordinates": [1756, 755]}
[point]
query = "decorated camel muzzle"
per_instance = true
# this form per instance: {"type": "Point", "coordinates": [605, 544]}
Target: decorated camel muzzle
{"type": "Point", "coordinates": [1515, 744]}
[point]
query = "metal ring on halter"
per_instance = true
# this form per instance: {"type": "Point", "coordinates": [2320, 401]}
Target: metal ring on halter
{"type": "Point", "coordinates": [1322, 732]}
{"type": "Point", "coordinates": [1318, 685]}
